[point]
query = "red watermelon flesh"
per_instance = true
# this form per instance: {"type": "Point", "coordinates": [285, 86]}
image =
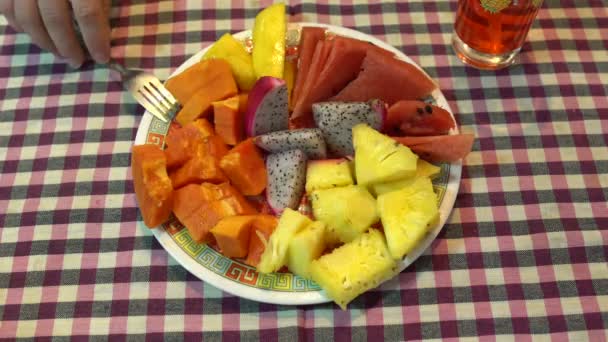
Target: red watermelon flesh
{"type": "Point", "coordinates": [342, 66]}
{"type": "Point", "coordinates": [300, 118]}
{"type": "Point", "coordinates": [388, 79]}
{"type": "Point", "coordinates": [308, 40]}
{"type": "Point", "coordinates": [407, 118]}
{"type": "Point", "coordinates": [439, 148]}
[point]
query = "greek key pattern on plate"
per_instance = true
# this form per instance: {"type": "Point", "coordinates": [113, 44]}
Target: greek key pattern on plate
{"type": "Point", "coordinates": [157, 132]}
{"type": "Point", "coordinates": [236, 271]}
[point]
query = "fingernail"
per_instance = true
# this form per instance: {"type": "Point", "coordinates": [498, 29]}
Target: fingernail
{"type": "Point", "coordinates": [75, 63]}
{"type": "Point", "coordinates": [101, 57]}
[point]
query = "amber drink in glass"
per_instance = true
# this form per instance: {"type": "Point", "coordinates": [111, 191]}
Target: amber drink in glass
{"type": "Point", "coordinates": [488, 34]}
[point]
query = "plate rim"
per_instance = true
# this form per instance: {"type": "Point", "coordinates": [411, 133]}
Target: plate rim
{"type": "Point", "coordinates": [308, 297]}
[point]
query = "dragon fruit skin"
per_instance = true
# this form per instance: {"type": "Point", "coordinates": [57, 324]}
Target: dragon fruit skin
{"type": "Point", "coordinates": [309, 140]}
{"type": "Point", "coordinates": [286, 179]}
{"type": "Point", "coordinates": [336, 119]}
{"type": "Point", "coordinates": [267, 107]}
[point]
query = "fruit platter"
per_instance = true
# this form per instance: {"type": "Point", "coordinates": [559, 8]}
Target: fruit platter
{"type": "Point", "coordinates": [308, 163]}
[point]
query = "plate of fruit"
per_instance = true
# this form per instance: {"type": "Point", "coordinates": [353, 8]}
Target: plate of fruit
{"type": "Point", "coordinates": [308, 163]}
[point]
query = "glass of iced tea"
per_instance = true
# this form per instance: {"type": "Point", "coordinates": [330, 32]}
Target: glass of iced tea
{"type": "Point", "coordinates": [488, 34]}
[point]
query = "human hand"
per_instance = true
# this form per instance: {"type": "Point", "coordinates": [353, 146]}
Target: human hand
{"type": "Point", "coordinates": [49, 23]}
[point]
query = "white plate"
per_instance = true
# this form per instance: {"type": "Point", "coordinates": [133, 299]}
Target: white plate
{"type": "Point", "coordinates": [279, 288]}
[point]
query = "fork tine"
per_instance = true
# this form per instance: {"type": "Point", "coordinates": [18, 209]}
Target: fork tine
{"type": "Point", "coordinates": [166, 94]}
{"type": "Point", "coordinates": [158, 96]}
{"type": "Point", "coordinates": [145, 101]}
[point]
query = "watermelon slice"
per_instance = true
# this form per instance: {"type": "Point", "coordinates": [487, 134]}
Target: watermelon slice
{"type": "Point", "coordinates": [439, 148]}
{"type": "Point", "coordinates": [299, 117]}
{"type": "Point", "coordinates": [308, 40]}
{"type": "Point", "coordinates": [407, 118]}
{"type": "Point", "coordinates": [342, 66]}
{"type": "Point", "coordinates": [388, 79]}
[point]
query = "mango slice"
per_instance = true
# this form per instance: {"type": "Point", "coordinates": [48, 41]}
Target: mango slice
{"type": "Point", "coordinates": [269, 41]}
{"type": "Point", "coordinates": [233, 51]}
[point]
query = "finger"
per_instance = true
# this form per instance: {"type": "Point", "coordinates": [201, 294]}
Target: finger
{"type": "Point", "coordinates": [28, 17]}
{"type": "Point", "coordinates": [7, 8]}
{"type": "Point", "coordinates": [95, 27]}
{"type": "Point", "coordinates": [57, 18]}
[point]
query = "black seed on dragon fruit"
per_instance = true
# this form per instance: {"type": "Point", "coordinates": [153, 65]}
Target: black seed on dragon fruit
{"type": "Point", "coordinates": [286, 179]}
{"type": "Point", "coordinates": [309, 140]}
{"type": "Point", "coordinates": [336, 119]}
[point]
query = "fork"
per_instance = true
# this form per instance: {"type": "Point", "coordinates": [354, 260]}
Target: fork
{"type": "Point", "coordinates": [148, 91]}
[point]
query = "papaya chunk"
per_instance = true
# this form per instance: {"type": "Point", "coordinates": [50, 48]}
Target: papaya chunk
{"type": "Point", "coordinates": [232, 235]}
{"type": "Point", "coordinates": [217, 84]}
{"type": "Point", "coordinates": [201, 207]}
{"type": "Point", "coordinates": [203, 166]}
{"type": "Point", "coordinates": [182, 142]}
{"type": "Point", "coordinates": [229, 121]}
{"type": "Point", "coordinates": [261, 229]}
{"type": "Point", "coordinates": [152, 185]}
{"type": "Point", "coordinates": [245, 168]}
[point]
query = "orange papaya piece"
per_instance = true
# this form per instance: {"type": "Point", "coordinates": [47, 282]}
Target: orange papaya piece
{"type": "Point", "coordinates": [205, 127]}
{"type": "Point", "coordinates": [232, 235]}
{"type": "Point", "coordinates": [229, 123]}
{"type": "Point", "coordinates": [201, 207]}
{"type": "Point", "coordinates": [203, 165]}
{"type": "Point", "coordinates": [243, 100]}
{"type": "Point", "coordinates": [245, 168]}
{"type": "Point", "coordinates": [187, 83]}
{"type": "Point", "coordinates": [152, 185]}
{"type": "Point", "coordinates": [219, 84]}
{"type": "Point", "coordinates": [260, 231]}
{"type": "Point", "coordinates": [198, 170]}
{"type": "Point", "coordinates": [182, 142]}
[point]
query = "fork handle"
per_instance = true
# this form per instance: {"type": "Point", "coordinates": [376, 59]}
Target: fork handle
{"type": "Point", "coordinates": [118, 67]}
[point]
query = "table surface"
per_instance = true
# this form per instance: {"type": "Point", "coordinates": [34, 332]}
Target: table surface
{"type": "Point", "coordinates": [523, 254]}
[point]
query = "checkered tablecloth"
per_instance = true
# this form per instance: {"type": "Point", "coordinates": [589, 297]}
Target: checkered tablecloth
{"type": "Point", "coordinates": [523, 255]}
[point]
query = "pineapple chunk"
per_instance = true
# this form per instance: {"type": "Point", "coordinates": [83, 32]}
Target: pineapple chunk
{"type": "Point", "coordinates": [384, 188]}
{"type": "Point", "coordinates": [380, 159]}
{"type": "Point", "coordinates": [275, 254]}
{"type": "Point", "coordinates": [354, 268]}
{"type": "Point", "coordinates": [407, 214]}
{"type": "Point", "coordinates": [424, 169]}
{"type": "Point", "coordinates": [304, 247]}
{"type": "Point", "coordinates": [347, 211]}
{"type": "Point", "coordinates": [326, 174]}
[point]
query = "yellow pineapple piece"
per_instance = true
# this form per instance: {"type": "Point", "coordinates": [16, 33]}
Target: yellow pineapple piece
{"type": "Point", "coordinates": [354, 268]}
{"type": "Point", "coordinates": [306, 246]}
{"type": "Point", "coordinates": [424, 169]}
{"type": "Point", "coordinates": [380, 159]}
{"type": "Point", "coordinates": [325, 174]}
{"type": "Point", "coordinates": [275, 254]}
{"type": "Point", "coordinates": [347, 211]}
{"type": "Point", "coordinates": [407, 214]}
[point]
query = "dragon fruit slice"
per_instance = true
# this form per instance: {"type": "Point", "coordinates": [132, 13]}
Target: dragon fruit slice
{"type": "Point", "coordinates": [286, 179]}
{"type": "Point", "coordinates": [309, 140]}
{"type": "Point", "coordinates": [335, 119]}
{"type": "Point", "coordinates": [267, 107]}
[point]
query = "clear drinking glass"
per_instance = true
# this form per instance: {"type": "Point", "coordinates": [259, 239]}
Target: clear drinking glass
{"type": "Point", "coordinates": [488, 34]}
